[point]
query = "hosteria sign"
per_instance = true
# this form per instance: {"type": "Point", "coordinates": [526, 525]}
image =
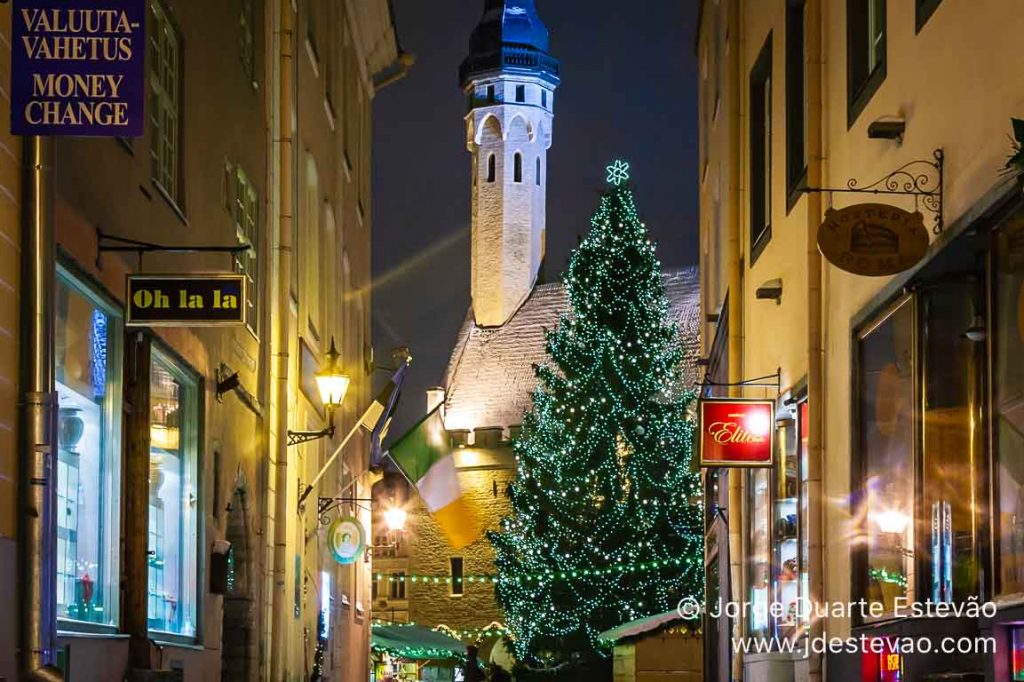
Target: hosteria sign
{"type": "Point", "coordinates": [736, 432]}
{"type": "Point", "coordinates": [78, 67]}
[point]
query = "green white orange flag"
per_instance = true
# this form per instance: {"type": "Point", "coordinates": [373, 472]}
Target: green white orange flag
{"type": "Point", "coordinates": [425, 456]}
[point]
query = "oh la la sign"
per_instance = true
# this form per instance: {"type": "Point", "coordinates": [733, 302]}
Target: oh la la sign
{"type": "Point", "coordinates": [185, 300]}
{"type": "Point", "coordinates": [873, 239]}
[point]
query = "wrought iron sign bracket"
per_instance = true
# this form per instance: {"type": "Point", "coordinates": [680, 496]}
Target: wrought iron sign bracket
{"type": "Point", "coordinates": [111, 243]}
{"type": "Point", "coordinates": [325, 505]}
{"type": "Point", "coordinates": [921, 179]}
{"type": "Point", "coordinates": [300, 437]}
{"type": "Point", "coordinates": [766, 381]}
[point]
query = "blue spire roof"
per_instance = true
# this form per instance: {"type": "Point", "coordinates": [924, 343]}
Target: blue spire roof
{"type": "Point", "coordinates": [510, 38]}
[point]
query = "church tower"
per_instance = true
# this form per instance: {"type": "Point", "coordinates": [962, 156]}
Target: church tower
{"type": "Point", "coordinates": [510, 81]}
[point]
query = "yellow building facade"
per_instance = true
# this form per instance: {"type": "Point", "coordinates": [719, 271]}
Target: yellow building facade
{"type": "Point", "coordinates": [895, 393]}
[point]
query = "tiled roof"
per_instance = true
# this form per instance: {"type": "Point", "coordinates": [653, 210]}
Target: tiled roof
{"type": "Point", "coordinates": [490, 377]}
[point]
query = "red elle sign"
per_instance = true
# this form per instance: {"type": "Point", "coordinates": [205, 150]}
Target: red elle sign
{"type": "Point", "coordinates": [736, 432]}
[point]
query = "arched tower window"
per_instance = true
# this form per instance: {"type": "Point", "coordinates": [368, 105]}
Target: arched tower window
{"type": "Point", "coordinates": [536, 176]}
{"type": "Point", "coordinates": [490, 168]}
{"type": "Point", "coordinates": [517, 162]}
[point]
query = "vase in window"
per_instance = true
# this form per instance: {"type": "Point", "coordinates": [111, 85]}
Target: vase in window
{"type": "Point", "coordinates": [70, 428]}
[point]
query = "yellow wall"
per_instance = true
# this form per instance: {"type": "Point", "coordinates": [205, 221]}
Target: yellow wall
{"type": "Point", "coordinates": [956, 82]}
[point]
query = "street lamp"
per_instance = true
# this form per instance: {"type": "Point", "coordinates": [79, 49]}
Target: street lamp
{"type": "Point", "coordinates": [394, 518]}
{"type": "Point", "coordinates": [332, 384]}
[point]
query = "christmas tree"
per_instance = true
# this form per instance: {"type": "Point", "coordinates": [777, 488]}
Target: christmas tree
{"type": "Point", "coordinates": [606, 522]}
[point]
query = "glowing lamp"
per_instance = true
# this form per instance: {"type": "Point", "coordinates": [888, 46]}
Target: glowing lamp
{"type": "Point", "coordinates": [892, 521]}
{"type": "Point", "coordinates": [758, 422]}
{"type": "Point", "coordinates": [394, 518]}
{"type": "Point", "coordinates": [330, 381]}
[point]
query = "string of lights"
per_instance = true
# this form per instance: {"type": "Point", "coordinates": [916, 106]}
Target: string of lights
{"type": "Point", "coordinates": [604, 476]}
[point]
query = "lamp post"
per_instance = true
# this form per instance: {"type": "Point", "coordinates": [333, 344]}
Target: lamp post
{"type": "Point", "coordinates": [332, 384]}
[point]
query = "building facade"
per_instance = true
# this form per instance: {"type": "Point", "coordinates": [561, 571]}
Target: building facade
{"type": "Point", "coordinates": [897, 468]}
{"type": "Point", "coordinates": [180, 545]}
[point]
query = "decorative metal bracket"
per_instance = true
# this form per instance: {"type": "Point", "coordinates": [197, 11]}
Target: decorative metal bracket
{"type": "Point", "coordinates": [325, 505]}
{"type": "Point", "coordinates": [300, 437]}
{"type": "Point", "coordinates": [113, 243]}
{"type": "Point", "coordinates": [921, 179]}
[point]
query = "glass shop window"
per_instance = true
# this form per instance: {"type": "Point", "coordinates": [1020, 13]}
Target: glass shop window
{"type": "Point", "coordinates": [951, 453]}
{"type": "Point", "coordinates": [759, 568]}
{"type": "Point", "coordinates": [88, 364]}
{"type": "Point", "coordinates": [886, 361]}
{"type": "Point", "coordinates": [173, 498]}
{"type": "Point", "coordinates": [787, 567]}
{"type": "Point", "coordinates": [1008, 406]}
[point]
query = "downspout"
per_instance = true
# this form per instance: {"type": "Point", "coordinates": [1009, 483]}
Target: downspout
{"type": "Point", "coordinates": [735, 345]}
{"type": "Point", "coordinates": [38, 433]}
{"type": "Point", "coordinates": [815, 347]}
{"type": "Point", "coordinates": [281, 358]}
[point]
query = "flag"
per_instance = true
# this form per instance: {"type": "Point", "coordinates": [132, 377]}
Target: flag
{"type": "Point", "coordinates": [377, 417]}
{"type": "Point", "coordinates": [426, 458]}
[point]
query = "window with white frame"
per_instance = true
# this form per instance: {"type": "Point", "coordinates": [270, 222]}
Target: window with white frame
{"type": "Point", "coordinates": [165, 101]}
{"type": "Point", "coordinates": [88, 382]}
{"type": "Point", "coordinates": [173, 498]}
{"type": "Point", "coordinates": [245, 212]}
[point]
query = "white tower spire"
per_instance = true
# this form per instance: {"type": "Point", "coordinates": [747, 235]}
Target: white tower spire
{"type": "Point", "coordinates": [509, 80]}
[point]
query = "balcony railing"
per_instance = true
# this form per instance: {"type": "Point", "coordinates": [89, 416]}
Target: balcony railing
{"type": "Point", "coordinates": [510, 57]}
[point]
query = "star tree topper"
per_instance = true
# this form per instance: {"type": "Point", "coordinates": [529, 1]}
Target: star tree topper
{"type": "Point", "coordinates": [618, 173]}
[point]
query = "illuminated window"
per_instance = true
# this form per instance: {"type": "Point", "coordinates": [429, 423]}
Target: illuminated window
{"type": "Point", "coordinates": [88, 364]}
{"type": "Point", "coordinates": [173, 498]}
{"type": "Point", "coordinates": [397, 583]}
{"type": "Point", "coordinates": [165, 102]}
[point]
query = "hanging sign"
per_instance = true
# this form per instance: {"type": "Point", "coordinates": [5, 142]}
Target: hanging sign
{"type": "Point", "coordinates": [736, 432]}
{"type": "Point", "coordinates": [873, 239]}
{"type": "Point", "coordinates": [346, 540]}
{"type": "Point", "coordinates": [78, 67]}
{"type": "Point", "coordinates": [185, 300]}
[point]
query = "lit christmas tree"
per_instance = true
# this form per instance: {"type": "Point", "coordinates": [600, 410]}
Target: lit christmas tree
{"type": "Point", "coordinates": [606, 521]}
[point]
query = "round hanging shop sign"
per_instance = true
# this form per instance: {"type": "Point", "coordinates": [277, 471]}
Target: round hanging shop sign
{"type": "Point", "coordinates": [346, 539]}
{"type": "Point", "coordinates": [873, 239]}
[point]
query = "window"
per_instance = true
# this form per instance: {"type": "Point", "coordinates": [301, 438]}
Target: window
{"type": "Point", "coordinates": [886, 363]}
{"type": "Point", "coordinates": [520, 93]}
{"type": "Point", "coordinates": [536, 175]}
{"type": "Point", "coordinates": [491, 171]}
{"type": "Point", "coordinates": [173, 498]}
{"type": "Point", "coordinates": [165, 102]}
{"type": "Point", "coordinates": [455, 567]}
{"type": "Point", "coordinates": [88, 364]}
{"type": "Point", "coordinates": [310, 251]}
{"type": "Point", "coordinates": [517, 167]}
{"type": "Point", "coordinates": [397, 583]}
{"type": "Point", "coordinates": [544, 98]}
{"type": "Point", "coordinates": [490, 93]}
{"type": "Point", "coordinates": [760, 151]}
{"type": "Point", "coordinates": [247, 49]}
{"type": "Point", "coordinates": [245, 212]}
{"type": "Point", "coordinates": [311, 39]}
{"type": "Point", "coordinates": [923, 10]}
{"type": "Point", "coordinates": [759, 566]}
{"type": "Point", "coordinates": [796, 99]}
{"type": "Point", "coordinates": [865, 53]}
{"type": "Point", "coordinates": [1008, 409]}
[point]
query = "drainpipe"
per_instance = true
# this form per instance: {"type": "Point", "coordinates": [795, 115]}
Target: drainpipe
{"type": "Point", "coordinates": [815, 347]}
{"type": "Point", "coordinates": [38, 433]}
{"type": "Point", "coordinates": [281, 359]}
{"type": "Point", "coordinates": [735, 345]}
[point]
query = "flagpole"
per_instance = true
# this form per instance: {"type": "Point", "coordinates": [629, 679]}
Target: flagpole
{"type": "Point", "coordinates": [337, 451]}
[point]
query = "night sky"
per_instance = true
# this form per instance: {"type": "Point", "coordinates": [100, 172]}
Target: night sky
{"type": "Point", "coordinates": [628, 90]}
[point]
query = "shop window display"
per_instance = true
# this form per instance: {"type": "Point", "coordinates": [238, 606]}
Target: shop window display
{"type": "Point", "coordinates": [173, 499]}
{"type": "Point", "coordinates": [88, 361]}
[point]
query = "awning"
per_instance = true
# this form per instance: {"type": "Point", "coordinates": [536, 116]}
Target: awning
{"type": "Point", "coordinates": [640, 626]}
{"type": "Point", "coordinates": [416, 643]}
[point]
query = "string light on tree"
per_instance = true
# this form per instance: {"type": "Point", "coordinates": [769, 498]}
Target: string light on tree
{"type": "Point", "coordinates": [606, 522]}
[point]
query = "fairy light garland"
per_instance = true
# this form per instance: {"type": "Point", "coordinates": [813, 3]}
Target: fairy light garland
{"type": "Point", "coordinates": [654, 564]}
{"type": "Point", "coordinates": [604, 499]}
{"type": "Point", "coordinates": [492, 630]}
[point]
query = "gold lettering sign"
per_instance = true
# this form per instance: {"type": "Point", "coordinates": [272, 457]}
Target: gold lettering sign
{"type": "Point", "coordinates": [873, 239]}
